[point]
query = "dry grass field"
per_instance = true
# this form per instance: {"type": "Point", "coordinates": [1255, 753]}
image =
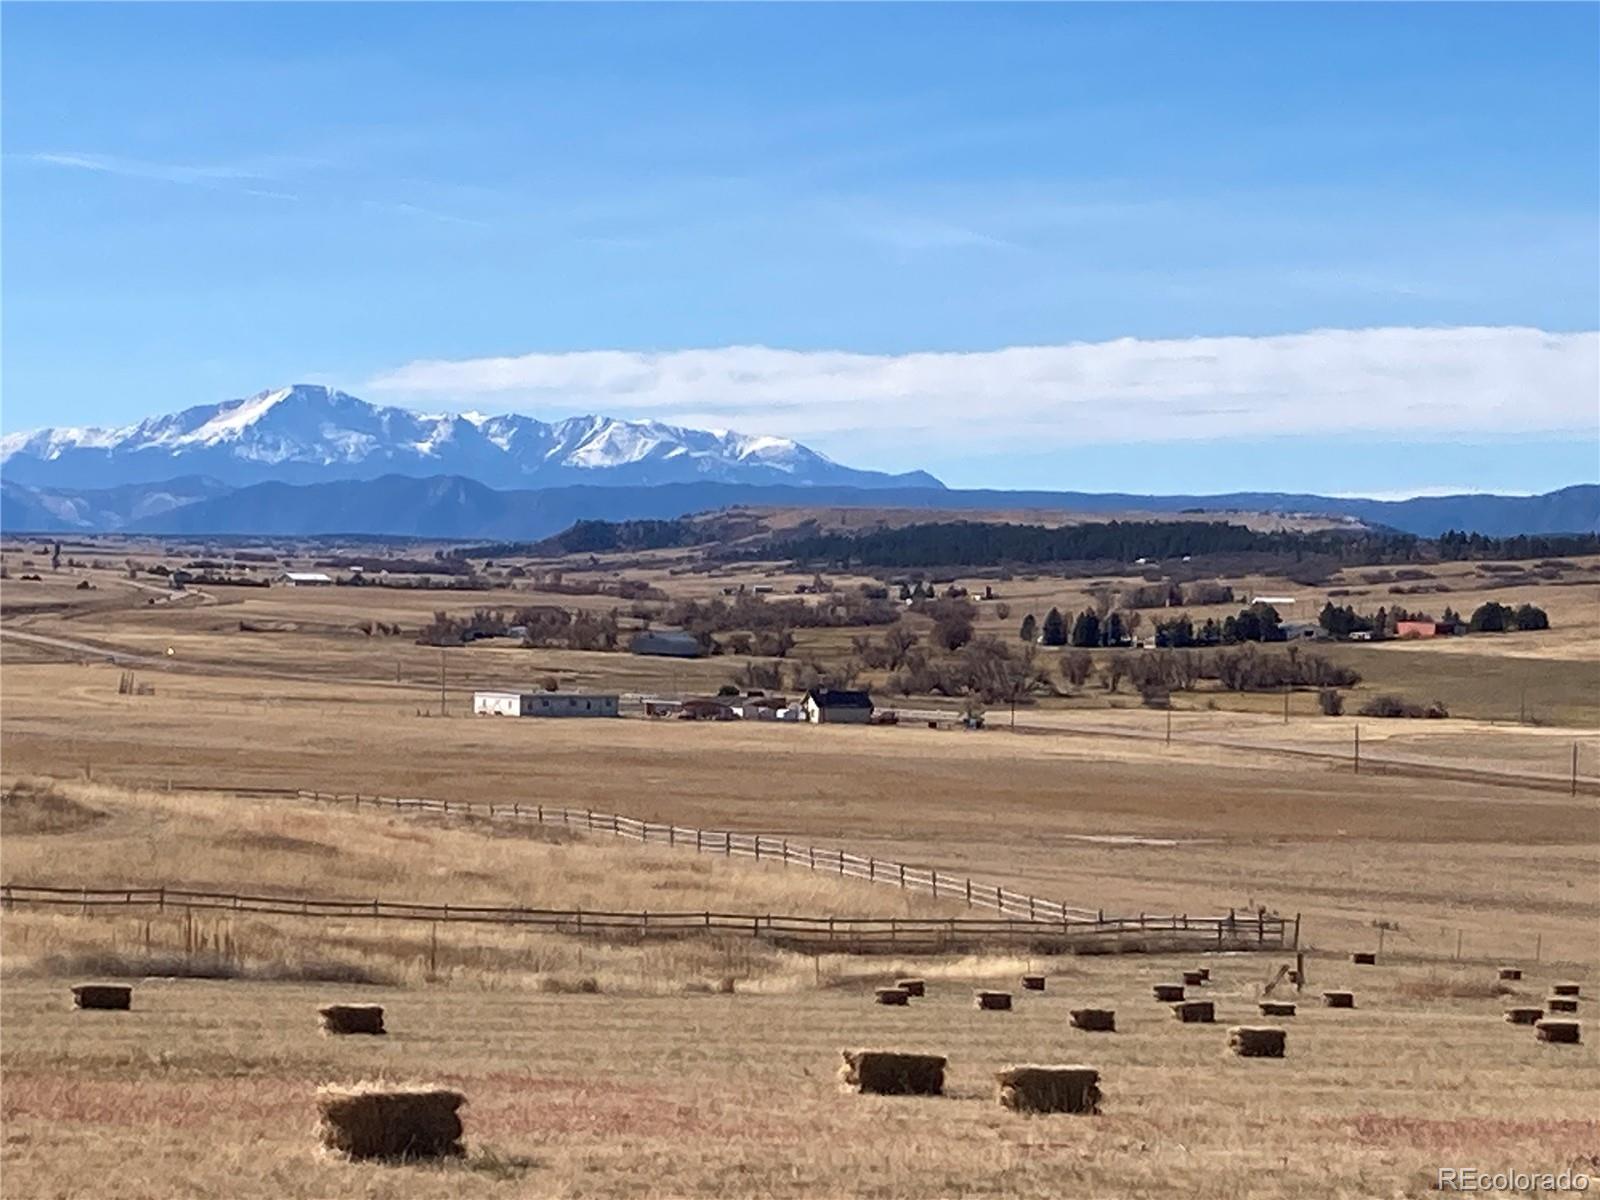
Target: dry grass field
{"type": "Point", "coordinates": [205, 1089]}
{"type": "Point", "coordinates": [1460, 838]}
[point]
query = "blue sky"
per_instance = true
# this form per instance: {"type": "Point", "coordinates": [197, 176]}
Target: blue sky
{"type": "Point", "coordinates": [438, 206]}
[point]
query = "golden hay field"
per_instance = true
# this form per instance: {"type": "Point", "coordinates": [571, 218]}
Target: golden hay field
{"type": "Point", "coordinates": [659, 1069]}
{"type": "Point", "coordinates": [1460, 838]}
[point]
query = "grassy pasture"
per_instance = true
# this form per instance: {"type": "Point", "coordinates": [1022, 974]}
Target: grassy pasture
{"type": "Point", "coordinates": [663, 1085]}
{"type": "Point", "coordinates": [205, 1089]}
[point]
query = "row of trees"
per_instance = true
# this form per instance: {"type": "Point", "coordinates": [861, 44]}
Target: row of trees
{"type": "Point", "coordinates": [1489, 617]}
{"type": "Point", "coordinates": [979, 543]}
{"type": "Point", "coordinates": [1258, 623]}
{"type": "Point", "coordinates": [541, 625]}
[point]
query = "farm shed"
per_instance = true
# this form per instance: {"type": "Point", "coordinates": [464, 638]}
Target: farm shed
{"type": "Point", "coordinates": [1311, 631]}
{"type": "Point", "coordinates": [667, 643]}
{"type": "Point", "coordinates": [703, 709]}
{"type": "Point", "coordinates": [1416, 629]}
{"type": "Point", "coordinates": [828, 706]}
{"type": "Point", "coordinates": [544, 704]}
{"type": "Point", "coordinates": [305, 579]}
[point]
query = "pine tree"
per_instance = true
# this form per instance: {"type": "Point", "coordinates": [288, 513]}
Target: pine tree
{"type": "Point", "coordinates": [1030, 629]}
{"type": "Point", "coordinates": [1055, 629]}
{"type": "Point", "coordinates": [1086, 629]}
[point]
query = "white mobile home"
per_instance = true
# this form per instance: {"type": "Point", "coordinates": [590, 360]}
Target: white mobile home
{"type": "Point", "coordinates": [544, 704]}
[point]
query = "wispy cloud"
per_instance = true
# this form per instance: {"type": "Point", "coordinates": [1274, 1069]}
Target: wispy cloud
{"type": "Point", "coordinates": [1403, 382]}
{"type": "Point", "coordinates": [246, 177]}
{"type": "Point", "coordinates": [232, 177]}
{"type": "Point", "coordinates": [406, 209]}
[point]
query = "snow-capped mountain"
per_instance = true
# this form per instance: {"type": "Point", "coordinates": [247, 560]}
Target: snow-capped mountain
{"type": "Point", "coordinates": [309, 434]}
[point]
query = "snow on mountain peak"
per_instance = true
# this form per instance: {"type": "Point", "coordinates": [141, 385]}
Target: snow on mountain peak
{"type": "Point", "coordinates": [308, 432]}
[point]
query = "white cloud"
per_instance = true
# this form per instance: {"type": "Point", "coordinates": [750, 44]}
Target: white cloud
{"type": "Point", "coordinates": [1400, 382]}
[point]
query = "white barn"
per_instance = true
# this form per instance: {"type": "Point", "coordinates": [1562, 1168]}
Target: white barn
{"type": "Point", "coordinates": [305, 579]}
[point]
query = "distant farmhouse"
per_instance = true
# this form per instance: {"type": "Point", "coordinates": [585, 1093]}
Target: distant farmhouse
{"type": "Point", "coordinates": [305, 579]}
{"type": "Point", "coordinates": [543, 704]}
{"type": "Point", "coordinates": [827, 706]}
{"type": "Point", "coordinates": [1310, 631]}
{"type": "Point", "coordinates": [1417, 629]}
{"type": "Point", "coordinates": [668, 643]}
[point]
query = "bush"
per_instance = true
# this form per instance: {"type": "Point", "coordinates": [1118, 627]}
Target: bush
{"type": "Point", "coordinates": [1330, 702]}
{"type": "Point", "coordinates": [1396, 706]}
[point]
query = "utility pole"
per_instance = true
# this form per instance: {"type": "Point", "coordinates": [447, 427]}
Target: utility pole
{"type": "Point", "coordinates": [1169, 720]}
{"type": "Point", "coordinates": [1358, 749]}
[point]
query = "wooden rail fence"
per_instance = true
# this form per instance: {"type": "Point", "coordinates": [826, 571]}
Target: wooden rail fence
{"type": "Point", "coordinates": [758, 846]}
{"type": "Point", "coordinates": [1258, 932]}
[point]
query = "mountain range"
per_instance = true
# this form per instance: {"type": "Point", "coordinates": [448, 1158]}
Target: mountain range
{"type": "Point", "coordinates": [455, 507]}
{"type": "Point", "coordinates": [311, 434]}
{"type": "Point", "coordinates": [305, 460]}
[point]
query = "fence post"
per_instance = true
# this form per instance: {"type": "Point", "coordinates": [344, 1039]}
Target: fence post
{"type": "Point", "coordinates": [1296, 931]}
{"type": "Point", "coordinates": [161, 898]}
{"type": "Point", "coordinates": [872, 867]}
{"type": "Point", "coordinates": [969, 891]}
{"type": "Point", "coordinates": [616, 826]}
{"type": "Point", "coordinates": [812, 851]}
{"type": "Point", "coordinates": [1261, 926]}
{"type": "Point", "coordinates": [902, 875]}
{"type": "Point", "coordinates": [758, 847]}
{"type": "Point", "coordinates": [1030, 908]}
{"type": "Point", "coordinates": [697, 841]}
{"type": "Point", "coordinates": [727, 843]}
{"type": "Point", "coordinates": [672, 834]}
{"type": "Point", "coordinates": [934, 878]}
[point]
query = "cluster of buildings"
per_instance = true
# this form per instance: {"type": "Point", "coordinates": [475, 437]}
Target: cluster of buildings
{"type": "Point", "coordinates": [819, 706]}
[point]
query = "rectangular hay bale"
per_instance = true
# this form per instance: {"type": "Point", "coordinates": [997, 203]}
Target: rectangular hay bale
{"type": "Point", "coordinates": [892, 996]}
{"type": "Point", "coordinates": [1051, 1089]}
{"type": "Point", "coordinates": [1364, 958]}
{"type": "Point", "coordinates": [352, 1018]}
{"type": "Point", "coordinates": [109, 996]}
{"type": "Point", "coordinates": [1566, 989]}
{"type": "Point", "coordinates": [1257, 1041]}
{"type": "Point", "coordinates": [1522, 1015]}
{"type": "Point", "coordinates": [1511, 973]}
{"type": "Point", "coordinates": [1193, 979]}
{"type": "Point", "coordinates": [993, 1001]}
{"type": "Point", "coordinates": [892, 1073]}
{"type": "Point", "coordinates": [1167, 992]}
{"type": "Point", "coordinates": [912, 987]}
{"type": "Point", "coordinates": [391, 1122]}
{"type": "Point", "coordinates": [1277, 1008]}
{"type": "Point", "coordinates": [1192, 1012]}
{"type": "Point", "coordinates": [1562, 1004]}
{"type": "Point", "coordinates": [1552, 1030]}
{"type": "Point", "coordinates": [1033, 983]}
{"type": "Point", "coordinates": [1339, 999]}
{"type": "Point", "coordinates": [1095, 1020]}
